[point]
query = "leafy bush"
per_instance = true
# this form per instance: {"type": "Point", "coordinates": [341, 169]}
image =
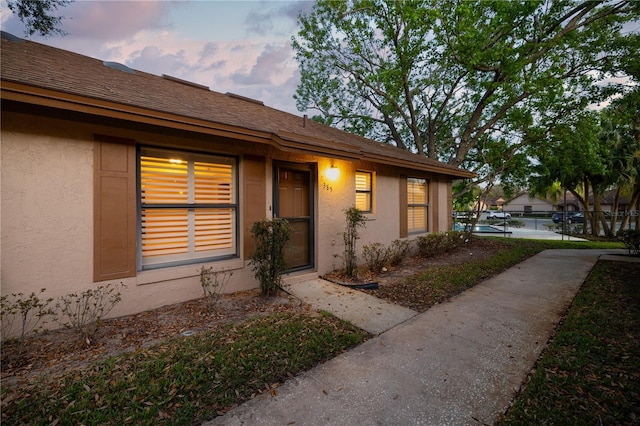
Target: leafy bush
{"type": "Point", "coordinates": [375, 256]}
{"type": "Point", "coordinates": [83, 311]}
{"type": "Point", "coordinates": [398, 251]}
{"type": "Point", "coordinates": [631, 240]}
{"type": "Point", "coordinates": [433, 244]}
{"type": "Point", "coordinates": [355, 220]}
{"type": "Point", "coordinates": [268, 261]}
{"type": "Point", "coordinates": [213, 284]}
{"type": "Point", "coordinates": [30, 312]}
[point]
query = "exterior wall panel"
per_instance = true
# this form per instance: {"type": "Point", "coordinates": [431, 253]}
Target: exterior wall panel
{"type": "Point", "coordinates": [47, 194]}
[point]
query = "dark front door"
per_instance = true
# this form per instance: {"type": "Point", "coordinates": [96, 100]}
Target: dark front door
{"type": "Point", "coordinates": [294, 202]}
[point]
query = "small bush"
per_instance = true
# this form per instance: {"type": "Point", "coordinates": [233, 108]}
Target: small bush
{"type": "Point", "coordinates": [83, 311]}
{"type": "Point", "coordinates": [631, 240]}
{"type": "Point", "coordinates": [434, 244]}
{"type": "Point", "coordinates": [268, 262]}
{"type": "Point", "coordinates": [29, 311]}
{"type": "Point", "coordinates": [398, 251]}
{"type": "Point", "coordinates": [375, 256]}
{"type": "Point", "coordinates": [516, 224]}
{"type": "Point", "coordinates": [355, 219]}
{"type": "Point", "coordinates": [213, 284]}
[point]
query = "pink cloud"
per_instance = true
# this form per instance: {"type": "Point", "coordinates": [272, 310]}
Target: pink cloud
{"type": "Point", "coordinates": [113, 20]}
{"type": "Point", "coordinates": [269, 63]}
{"type": "Point", "coordinates": [154, 60]}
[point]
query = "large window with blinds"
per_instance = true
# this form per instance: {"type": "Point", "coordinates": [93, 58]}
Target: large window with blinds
{"type": "Point", "coordinates": [187, 208]}
{"type": "Point", "coordinates": [417, 203]}
{"type": "Point", "coordinates": [364, 191]}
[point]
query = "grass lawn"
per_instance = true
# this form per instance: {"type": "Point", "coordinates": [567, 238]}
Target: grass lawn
{"type": "Point", "coordinates": [439, 283]}
{"type": "Point", "coordinates": [590, 372]}
{"type": "Point", "coordinates": [190, 379]}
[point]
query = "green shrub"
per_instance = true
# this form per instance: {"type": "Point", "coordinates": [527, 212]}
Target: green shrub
{"type": "Point", "coordinates": [83, 311]}
{"type": "Point", "coordinates": [398, 251]}
{"type": "Point", "coordinates": [631, 240]}
{"type": "Point", "coordinates": [213, 283]}
{"type": "Point", "coordinates": [31, 313]}
{"type": "Point", "coordinates": [514, 223]}
{"type": "Point", "coordinates": [355, 220]}
{"type": "Point", "coordinates": [438, 243]}
{"type": "Point", "coordinates": [268, 261]}
{"type": "Point", "coordinates": [375, 256]}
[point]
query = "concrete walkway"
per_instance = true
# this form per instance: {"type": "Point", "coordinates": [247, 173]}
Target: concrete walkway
{"type": "Point", "coordinates": [360, 309]}
{"type": "Point", "coordinates": [459, 363]}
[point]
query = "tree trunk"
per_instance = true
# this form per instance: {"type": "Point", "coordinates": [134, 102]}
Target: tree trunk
{"type": "Point", "coordinates": [633, 205]}
{"type": "Point", "coordinates": [614, 211]}
{"type": "Point", "coordinates": [585, 202]}
{"type": "Point", "coordinates": [599, 217]}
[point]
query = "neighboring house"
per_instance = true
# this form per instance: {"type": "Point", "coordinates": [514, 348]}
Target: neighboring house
{"type": "Point", "coordinates": [489, 203]}
{"type": "Point", "coordinates": [115, 175]}
{"type": "Point", "coordinates": [572, 204]}
{"type": "Point", "coordinates": [607, 201]}
{"type": "Point", "coordinates": [523, 203]}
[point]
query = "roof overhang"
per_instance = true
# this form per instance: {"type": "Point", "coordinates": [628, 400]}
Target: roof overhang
{"type": "Point", "coordinates": [285, 141]}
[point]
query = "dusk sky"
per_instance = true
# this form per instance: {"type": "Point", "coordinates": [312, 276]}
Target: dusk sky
{"type": "Point", "coordinates": [242, 47]}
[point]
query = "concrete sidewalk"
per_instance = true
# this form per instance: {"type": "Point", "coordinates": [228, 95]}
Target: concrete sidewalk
{"type": "Point", "coordinates": [459, 363]}
{"type": "Point", "coordinates": [360, 309]}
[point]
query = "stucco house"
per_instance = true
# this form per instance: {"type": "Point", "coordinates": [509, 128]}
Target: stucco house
{"type": "Point", "coordinates": [115, 175]}
{"type": "Point", "coordinates": [524, 203]}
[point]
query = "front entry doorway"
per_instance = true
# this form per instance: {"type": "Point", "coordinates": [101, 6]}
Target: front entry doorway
{"type": "Point", "coordinates": [293, 201]}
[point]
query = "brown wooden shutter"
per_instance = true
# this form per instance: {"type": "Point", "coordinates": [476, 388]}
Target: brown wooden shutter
{"type": "Point", "coordinates": [449, 204]}
{"type": "Point", "coordinates": [433, 199]}
{"type": "Point", "coordinates": [254, 198]}
{"type": "Point", "coordinates": [404, 226]}
{"type": "Point", "coordinates": [114, 208]}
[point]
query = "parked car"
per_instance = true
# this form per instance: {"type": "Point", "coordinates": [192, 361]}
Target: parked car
{"type": "Point", "coordinates": [577, 217]}
{"type": "Point", "coordinates": [464, 215]}
{"type": "Point", "coordinates": [572, 217]}
{"type": "Point", "coordinates": [495, 214]}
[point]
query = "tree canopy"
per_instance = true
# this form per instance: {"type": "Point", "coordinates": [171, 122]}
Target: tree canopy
{"type": "Point", "coordinates": [39, 16]}
{"type": "Point", "coordinates": [460, 81]}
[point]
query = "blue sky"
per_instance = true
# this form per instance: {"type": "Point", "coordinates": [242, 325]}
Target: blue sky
{"type": "Point", "coordinates": [242, 47]}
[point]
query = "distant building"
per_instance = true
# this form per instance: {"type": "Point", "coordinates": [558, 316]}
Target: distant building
{"type": "Point", "coordinates": [524, 203]}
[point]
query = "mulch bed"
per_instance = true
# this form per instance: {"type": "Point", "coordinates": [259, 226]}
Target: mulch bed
{"type": "Point", "coordinates": [54, 352]}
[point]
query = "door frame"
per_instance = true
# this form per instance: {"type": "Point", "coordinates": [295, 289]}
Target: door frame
{"type": "Point", "coordinates": [311, 168]}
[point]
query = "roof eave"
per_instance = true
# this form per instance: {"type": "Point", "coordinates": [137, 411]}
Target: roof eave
{"type": "Point", "coordinates": [284, 140]}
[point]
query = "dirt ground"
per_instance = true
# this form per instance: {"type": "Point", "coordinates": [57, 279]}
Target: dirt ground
{"type": "Point", "coordinates": [55, 352]}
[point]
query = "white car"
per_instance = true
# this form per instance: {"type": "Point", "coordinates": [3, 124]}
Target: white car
{"type": "Point", "coordinates": [495, 214]}
{"type": "Point", "coordinates": [464, 215]}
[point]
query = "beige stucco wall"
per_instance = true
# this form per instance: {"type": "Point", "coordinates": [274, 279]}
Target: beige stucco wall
{"type": "Point", "coordinates": [46, 208]}
{"type": "Point", "coordinates": [518, 204]}
{"type": "Point", "coordinates": [46, 196]}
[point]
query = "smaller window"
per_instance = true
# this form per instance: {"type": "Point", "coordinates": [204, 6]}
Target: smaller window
{"type": "Point", "coordinates": [363, 191]}
{"type": "Point", "coordinates": [418, 207]}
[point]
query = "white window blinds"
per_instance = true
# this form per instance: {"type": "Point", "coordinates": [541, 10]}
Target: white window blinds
{"type": "Point", "coordinates": [417, 204]}
{"type": "Point", "coordinates": [187, 207]}
{"type": "Point", "coordinates": [363, 191]}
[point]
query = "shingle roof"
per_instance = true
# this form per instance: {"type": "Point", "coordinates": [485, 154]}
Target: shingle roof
{"type": "Point", "coordinates": [51, 72]}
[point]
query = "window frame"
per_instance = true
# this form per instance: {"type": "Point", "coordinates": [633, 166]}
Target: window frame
{"type": "Point", "coordinates": [411, 206]}
{"type": "Point", "coordinates": [369, 191]}
{"type": "Point", "coordinates": [191, 157]}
